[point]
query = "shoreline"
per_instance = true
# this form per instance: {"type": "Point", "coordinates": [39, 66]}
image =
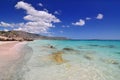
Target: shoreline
{"type": "Point", "coordinates": [11, 59]}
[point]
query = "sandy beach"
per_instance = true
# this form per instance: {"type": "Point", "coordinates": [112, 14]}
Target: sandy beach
{"type": "Point", "coordinates": [10, 57]}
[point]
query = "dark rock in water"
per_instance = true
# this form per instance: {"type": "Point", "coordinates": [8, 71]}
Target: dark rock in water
{"type": "Point", "coordinates": [84, 47]}
{"type": "Point", "coordinates": [94, 45]}
{"type": "Point", "coordinates": [52, 47]}
{"type": "Point", "coordinates": [117, 52]}
{"type": "Point", "coordinates": [119, 66]}
{"type": "Point", "coordinates": [115, 63]}
{"type": "Point", "coordinates": [109, 46]}
{"type": "Point", "coordinates": [68, 49]}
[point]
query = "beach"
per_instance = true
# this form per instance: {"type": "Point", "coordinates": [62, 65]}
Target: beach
{"type": "Point", "coordinates": [10, 59]}
{"type": "Point", "coordinates": [60, 60]}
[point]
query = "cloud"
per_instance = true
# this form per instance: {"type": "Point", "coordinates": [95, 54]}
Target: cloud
{"type": "Point", "coordinates": [40, 4]}
{"type": "Point", "coordinates": [81, 22]}
{"type": "Point", "coordinates": [56, 12]}
{"type": "Point", "coordinates": [65, 26]}
{"type": "Point", "coordinates": [11, 25]}
{"type": "Point", "coordinates": [61, 31]}
{"type": "Point", "coordinates": [45, 10]}
{"type": "Point", "coordinates": [4, 24]}
{"type": "Point", "coordinates": [38, 21]}
{"type": "Point", "coordinates": [6, 30]}
{"type": "Point", "coordinates": [99, 16]}
{"type": "Point", "coordinates": [88, 18]}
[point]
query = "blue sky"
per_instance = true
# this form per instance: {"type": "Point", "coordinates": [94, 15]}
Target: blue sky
{"type": "Point", "coordinates": [78, 19]}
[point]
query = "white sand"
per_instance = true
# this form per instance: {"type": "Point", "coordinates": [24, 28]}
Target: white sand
{"type": "Point", "coordinates": [4, 42]}
{"type": "Point", "coordinates": [9, 57]}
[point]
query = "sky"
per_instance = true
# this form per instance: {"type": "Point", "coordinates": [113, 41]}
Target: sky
{"type": "Point", "coordinates": [77, 19]}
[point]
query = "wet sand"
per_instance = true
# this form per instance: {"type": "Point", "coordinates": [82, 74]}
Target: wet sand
{"type": "Point", "coordinates": [10, 58]}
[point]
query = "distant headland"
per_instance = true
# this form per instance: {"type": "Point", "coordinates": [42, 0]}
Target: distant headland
{"type": "Point", "coordinates": [25, 36]}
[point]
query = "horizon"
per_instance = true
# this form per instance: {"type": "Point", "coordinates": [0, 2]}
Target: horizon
{"type": "Point", "coordinates": [80, 19]}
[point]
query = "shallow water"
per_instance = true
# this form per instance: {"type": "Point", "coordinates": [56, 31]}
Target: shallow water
{"type": "Point", "coordinates": [83, 60]}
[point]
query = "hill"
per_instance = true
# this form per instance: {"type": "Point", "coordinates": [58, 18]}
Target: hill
{"type": "Point", "coordinates": [24, 36]}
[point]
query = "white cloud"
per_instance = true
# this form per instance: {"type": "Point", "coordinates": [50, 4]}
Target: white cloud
{"type": "Point", "coordinates": [38, 21]}
{"type": "Point", "coordinates": [11, 25]}
{"type": "Point", "coordinates": [99, 16]}
{"type": "Point", "coordinates": [61, 31]}
{"type": "Point", "coordinates": [56, 12]}
{"type": "Point", "coordinates": [40, 4]}
{"type": "Point", "coordinates": [6, 30]}
{"type": "Point", "coordinates": [65, 26]}
{"type": "Point", "coordinates": [4, 24]}
{"type": "Point", "coordinates": [88, 18]}
{"type": "Point", "coordinates": [45, 10]}
{"type": "Point", "coordinates": [81, 22]}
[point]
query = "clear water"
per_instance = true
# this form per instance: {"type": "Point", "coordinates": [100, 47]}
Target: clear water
{"type": "Point", "coordinates": [88, 60]}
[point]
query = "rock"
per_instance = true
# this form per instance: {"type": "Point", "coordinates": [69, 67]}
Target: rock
{"type": "Point", "coordinates": [89, 56]}
{"type": "Point", "coordinates": [109, 46]}
{"type": "Point", "coordinates": [52, 47]}
{"type": "Point", "coordinates": [94, 45]}
{"type": "Point", "coordinates": [111, 61]}
{"type": "Point", "coordinates": [57, 57]}
{"type": "Point", "coordinates": [84, 47]}
{"type": "Point", "coordinates": [117, 52]}
{"type": "Point", "coordinates": [68, 49]}
{"type": "Point", "coordinates": [119, 66]}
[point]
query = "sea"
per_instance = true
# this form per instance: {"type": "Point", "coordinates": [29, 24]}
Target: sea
{"type": "Point", "coordinates": [72, 60]}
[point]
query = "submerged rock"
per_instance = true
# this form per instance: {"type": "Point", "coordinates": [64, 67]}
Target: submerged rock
{"type": "Point", "coordinates": [108, 46]}
{"type": "Point", "coordinates": [117, 52]}
{"type": "Point", "coordinates": [71, 51]}
{"type": "Point", "coordinates": [111, 46]}
{"type": "Point", "coordinates": [89, 56]}
{"type": "Point", "coordinates": [110, 61]}
{"type": "Point", "coordinates": [119, 66]}
{"type": "Point", "coordinates": [52, 47]}
{"type": "Point", "coordinates": [94, 45]}
{"type": "Point", "coordinates": [84, 47]}
{"type": "Point", "coordinates": [68, 49]}
{"type": "Point", "coordinates": [57, 57]}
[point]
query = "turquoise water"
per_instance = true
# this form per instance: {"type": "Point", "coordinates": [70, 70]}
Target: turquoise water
{"type": "Point", "coordinates": [84, 60]}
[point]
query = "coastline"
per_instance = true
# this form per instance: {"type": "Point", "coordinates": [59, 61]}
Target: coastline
{"type": "Point", "coordinates": [37, 60]}
{"type": "Point", "coordinates": [11, 59]}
